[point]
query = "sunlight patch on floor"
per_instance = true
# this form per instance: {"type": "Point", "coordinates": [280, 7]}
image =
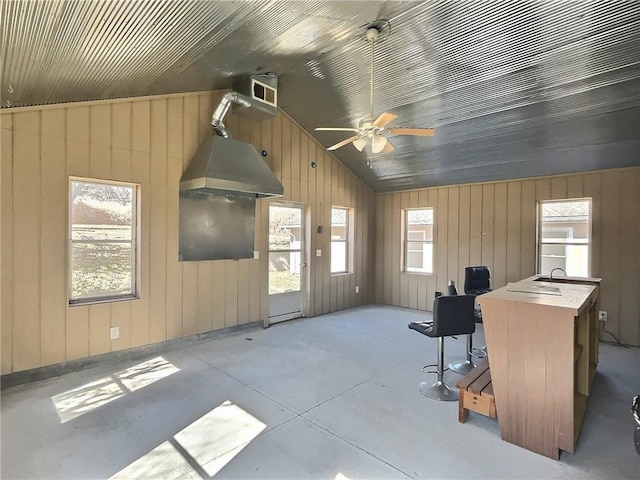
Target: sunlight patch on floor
{"type": "Point", "coordinates": [86, 398]}
{"type": "Point", "coordinates": [76, 402]}
{"type": "Point", "coordinates": [146, 373]}
{"type": "Point", "coordinates": [208, 444]}
{"type": "Point", "coordinates": [164, 462]}
{"type": "Point", "coordinates": [214, 439]}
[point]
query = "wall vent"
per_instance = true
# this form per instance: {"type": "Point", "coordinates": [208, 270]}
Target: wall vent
{"type": "Point", "coordinates": [263, 92]}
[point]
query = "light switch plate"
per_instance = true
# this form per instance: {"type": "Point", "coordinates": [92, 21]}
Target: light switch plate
{"type": "Point", "coordinates": [318, 253]}
{"type": "Point", "coordinates": [256, 254]}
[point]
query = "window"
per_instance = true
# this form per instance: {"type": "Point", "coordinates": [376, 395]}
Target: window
{"type": "Point", "coordinates": [339, 240]}
{"type": "Point", "coordinates": [103, 231]}
{"type": "Point", "coordinates": [564, 236]}
{"type": "Point", "coordinates": [418, 240]}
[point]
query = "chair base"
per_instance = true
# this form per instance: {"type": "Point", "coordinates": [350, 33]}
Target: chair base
{"type": "Point", "coordinates": [438, 391]}
{"type": "Point", "coordinates": [462, 368]}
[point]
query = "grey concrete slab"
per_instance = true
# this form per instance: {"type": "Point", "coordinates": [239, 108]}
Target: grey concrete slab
{"type": "Point", "coordinates": [422, 436]}
{"type": "Point", "coordinates": [113, 425]}
{"type": "Point", "coordinates": [300, 449]}
{"type": "Point", "coordinates": [299, 376]}
{"type": "Point", "coordinates": [331, 397]}
{"type": "Point", "coordinates": [316, 361]}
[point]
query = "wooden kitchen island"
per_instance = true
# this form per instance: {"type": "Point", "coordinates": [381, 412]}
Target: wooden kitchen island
{"type": "Point", "coordinates": [540, 339]}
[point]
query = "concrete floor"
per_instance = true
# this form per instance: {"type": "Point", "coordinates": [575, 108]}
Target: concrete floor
{"type": "Point", "coordinates": [334, 397]}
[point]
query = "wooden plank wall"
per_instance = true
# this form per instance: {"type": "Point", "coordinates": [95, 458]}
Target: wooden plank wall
{"type": "Point", "coordinates": [494, 224]}
{"type": "Point", "coordinates": [151, 141]}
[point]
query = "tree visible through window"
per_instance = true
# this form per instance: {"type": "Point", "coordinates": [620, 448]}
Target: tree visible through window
{"type": "Point", "coordinates": [564, 236]}
{"type": "Point", "coordinates": [418, 240]}
{"type": "Point", "coordinates": [339, 240]}
{"type": "Point", "coordinates": [102, 240]}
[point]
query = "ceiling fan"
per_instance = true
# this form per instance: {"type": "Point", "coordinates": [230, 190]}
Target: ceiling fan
{"type": "Point", "coordinates": [375, 129]}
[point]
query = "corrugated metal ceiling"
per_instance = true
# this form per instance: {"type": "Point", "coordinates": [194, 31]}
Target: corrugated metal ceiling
{"type": "Point", "coordinates": [514, 88]}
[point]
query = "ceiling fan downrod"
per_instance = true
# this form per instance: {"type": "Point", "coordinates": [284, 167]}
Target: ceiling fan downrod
{"type": "Point", "coordinates": [372, 36]}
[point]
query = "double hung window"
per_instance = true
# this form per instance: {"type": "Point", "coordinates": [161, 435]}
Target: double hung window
{"type": "Point", "coordinates": [564, 236]}
{"type": "Point", "coordinates": [339, 240]}
{"type": "Point", "coordinates": [418, 240]}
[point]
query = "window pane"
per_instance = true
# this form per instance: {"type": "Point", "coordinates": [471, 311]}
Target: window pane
{"type": "Point", "coordinates": [284, 272]}
{"type": "Point", "coordinates": [418, 226]}
{"type": "Point", "coordinates": [565, 221]}
{"type": "Point", "coordinates": [101, 270]}
{"type": "Point", "coordinates": [551, 250]}
{"type": "Point", "coordinates": [339, 223]}
{"type": "Point", "coordinates": [415, 246]}
{"type": "Point", "coordinates": [285, 228]}
{"type": "Point", "coordinates": [415, 261]}
{"type": "Point", "coordinates": [102, 256]}
{"type": "Point", "coordinates": [564, 232]}
{"type": "Point", "coordinates": [420, 260]}
{"type": "Point", "coordinates": [339, 216]}
{"type": "Point", "coordinates": [574, 259]}
{"type": "Point", "coordinates": [338, 257]}
{"type": "Point", "coordinates": [420, 217]}
{"type": "Point", "coordinates": [565, 209]}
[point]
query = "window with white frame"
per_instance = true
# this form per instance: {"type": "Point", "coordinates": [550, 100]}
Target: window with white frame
{"type": "Point", "coordinates": [103, 249]}
{"type": "Point", "coordinates": [339, 240]}
{"type": "Point", "coordinates": [564, 236]}
{"type": "Point", "coordinates": [418, 240]}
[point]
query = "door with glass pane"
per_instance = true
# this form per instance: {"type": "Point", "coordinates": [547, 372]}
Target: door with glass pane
{"type": "Point", "coordinates": [286, 261]}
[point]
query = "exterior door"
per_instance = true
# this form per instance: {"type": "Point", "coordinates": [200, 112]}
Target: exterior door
{"type": "Point", "coordinates": [286, 261]}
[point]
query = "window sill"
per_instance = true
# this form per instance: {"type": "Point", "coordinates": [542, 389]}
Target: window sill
{"type": "Point", "coordinates": [95, 301]}
{"type": "Point", "coordinates": [420, 274]}
{"type": "Point", "coordinates": [342, 274]}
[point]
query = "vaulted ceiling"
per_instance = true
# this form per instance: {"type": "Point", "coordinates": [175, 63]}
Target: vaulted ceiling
{"type": "Point", "coordinates": [515, 88]}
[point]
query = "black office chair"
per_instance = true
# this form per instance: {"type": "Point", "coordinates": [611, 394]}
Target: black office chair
{"type": "Point", "coordinates": [452, 315]}
{"type": "Point", "coordinates": [477, 280]}
{"type": "Point", "coordinates": [462, 367]}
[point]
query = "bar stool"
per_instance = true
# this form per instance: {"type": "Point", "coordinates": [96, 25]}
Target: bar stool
{"type": "Point", "coordinates": [452, 315]}
{"type": "Point", "coordinates": [462, 367]}
{"type": "Point", "coordinates": [477, 281]}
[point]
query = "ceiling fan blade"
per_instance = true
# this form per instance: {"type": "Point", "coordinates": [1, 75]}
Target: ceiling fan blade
{"type": "Point", "coordinates": [331, 129]}
{"type": "Point", "coordinates": [384, 119]}
{"type": "Point", "coordinates": [388, 147]}
{"type": "Point", "coordinates": [360, 143]}
{"type": "Point", "coordinates": [420, 132]}
{"type": "Point", "coordinates": [378, 142]}
{"type": "Point", "coordinates": [343, 143]}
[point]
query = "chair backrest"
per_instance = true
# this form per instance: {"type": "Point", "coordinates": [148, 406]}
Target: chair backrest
{"type": "Point", "coordinates": [476, 278]}
{"type": "Point", "coordinates": [451, 288]}
{"type": "Point", "coordinates": [453, 315]}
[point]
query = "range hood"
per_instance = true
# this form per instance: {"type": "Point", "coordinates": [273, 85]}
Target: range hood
{"type": "Point", "coordinates": [226, 166]}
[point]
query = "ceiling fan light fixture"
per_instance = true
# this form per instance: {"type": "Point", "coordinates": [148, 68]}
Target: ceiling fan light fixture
{"type": "Point", "coordinates": [377, 143]}
{"type": "Point", "coordinates": [360, 143]}
{"type": "Point", "coordinates": [372, 127]}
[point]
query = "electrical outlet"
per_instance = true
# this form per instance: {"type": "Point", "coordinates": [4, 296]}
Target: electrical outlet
{"type": "Point", "coordinates": [357, 288]}
{"type": "Point", "coordinates": [318, 253]}
{"type": "Point", "coordinates": [256, 254]}
{"type": "Point", "coordinates": [114, 333]}
{"type": "Point", "coordinates": [602, 316]}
